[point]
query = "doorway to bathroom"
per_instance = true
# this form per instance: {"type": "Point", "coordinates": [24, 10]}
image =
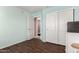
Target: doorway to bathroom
{"type": "Point", "coordinates": [37, 27]}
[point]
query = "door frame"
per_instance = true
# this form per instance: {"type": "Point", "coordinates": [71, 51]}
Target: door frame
{"type": "Point", "coordinates": [35, 27]}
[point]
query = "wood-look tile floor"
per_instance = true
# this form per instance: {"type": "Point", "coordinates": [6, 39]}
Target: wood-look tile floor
{"type": "Point", "coordinates": [34, 46]}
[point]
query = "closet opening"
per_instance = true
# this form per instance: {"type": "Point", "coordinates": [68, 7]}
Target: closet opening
{"type": "Point", "coordinates": [37, 27]}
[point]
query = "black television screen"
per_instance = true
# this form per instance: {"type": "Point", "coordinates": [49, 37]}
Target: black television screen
{"type": "Point", "coordinates": [73, 27]}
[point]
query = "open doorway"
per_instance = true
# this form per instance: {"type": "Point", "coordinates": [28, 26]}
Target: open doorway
{"type": "Point", "coordinates": [37, 27]}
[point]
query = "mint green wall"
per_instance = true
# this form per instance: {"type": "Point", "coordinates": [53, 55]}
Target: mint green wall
{"type": "Point", "coordinates": [12, 26]}
{"type": "Point", "coordinates": [76, 13]}
{"type": "Point", "coordinates": [49, 9]}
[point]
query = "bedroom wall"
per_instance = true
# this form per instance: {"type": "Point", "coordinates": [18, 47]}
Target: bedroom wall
{"type": "Point", "coordinates": [42, 14]}
{"type": "Point", "coordinates": [13, 21]}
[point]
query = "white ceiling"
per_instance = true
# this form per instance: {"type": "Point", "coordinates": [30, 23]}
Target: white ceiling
{"type": "Point", "coordinates": [32, 8]}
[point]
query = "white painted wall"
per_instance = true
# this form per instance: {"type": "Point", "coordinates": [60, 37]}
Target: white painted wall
{"type": "Point", "coordinates": [13, 27]}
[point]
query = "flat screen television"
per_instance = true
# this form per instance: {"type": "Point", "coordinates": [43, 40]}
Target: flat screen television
{"type": "Point", "coordinates": [73, 27]}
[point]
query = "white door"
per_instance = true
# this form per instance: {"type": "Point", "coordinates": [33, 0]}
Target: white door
{"type": "Point", "coordinates": [30, 27]}
{"type": "Point", "coordinates": [64, 17]}
{"type": "Point", "coordinates": [51, 27]}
